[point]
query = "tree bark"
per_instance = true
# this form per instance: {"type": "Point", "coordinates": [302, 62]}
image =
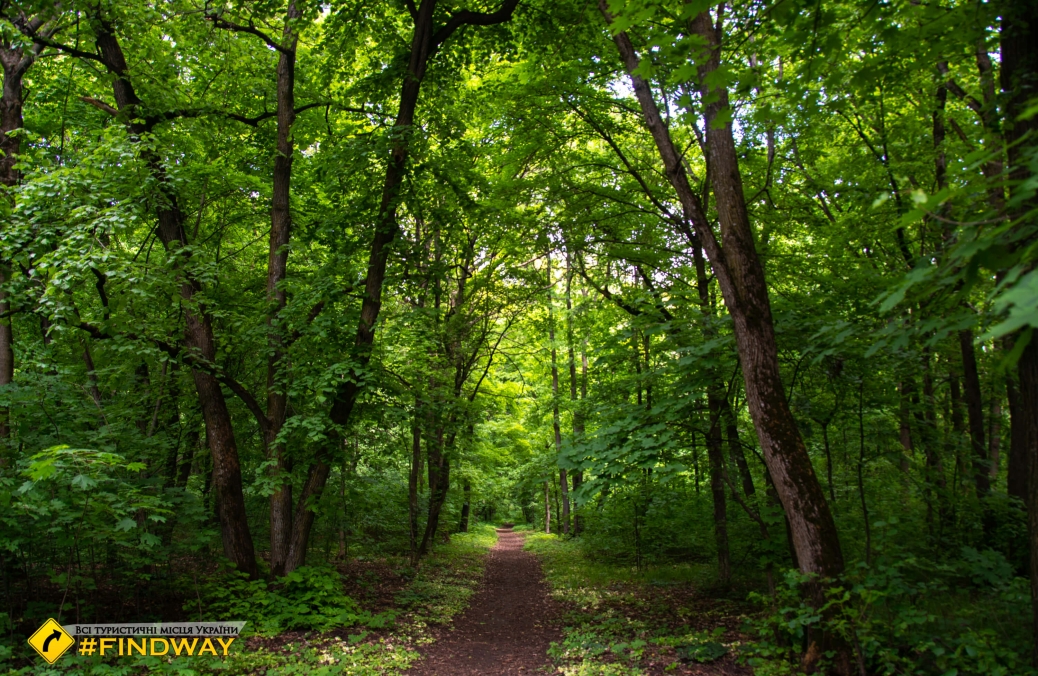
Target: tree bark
{"type": "Point", "coordinates": [1027, 368]}
{"type": "Point", "coordinates": [1019, 79]}
{"type": "Point", "coordinates": [905, 423]}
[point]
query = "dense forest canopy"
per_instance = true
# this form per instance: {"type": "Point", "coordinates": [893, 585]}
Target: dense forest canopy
{"type": "Point", "coordinates": [747, 283]}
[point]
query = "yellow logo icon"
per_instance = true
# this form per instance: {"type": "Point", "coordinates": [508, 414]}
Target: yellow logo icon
{"type": "Point", "coordinates": [51, 641]}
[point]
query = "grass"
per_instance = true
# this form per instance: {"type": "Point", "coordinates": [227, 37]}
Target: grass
{"type": "Point", "coordinates": [439, 591]}
{"type": "Point", "coordinates": [620, 621]}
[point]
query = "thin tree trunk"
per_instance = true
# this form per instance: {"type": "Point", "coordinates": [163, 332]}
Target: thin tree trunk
{"type": "Point", "coordinates": [716, 458]}
{"type": "Point", "coordinates": [828, 461]}
{"type": "Point", "coordinates": [547, 509]}
{"type": "Point", "coordinates": [555, 420]}
{"type": "Point", "coordinates": [958, 428]}
{"type": "Point", "coordinates": [905, 424]}
{"type": "Point", "coordinates": [91, 372]}
{"type": "Point", "coordinates": [995, 438]}
{"type": "Point", "coordinates": [578, 413]}
{"type": "Point", "coordinates": [715, 401]}
{"type": "Point", "coordinates": [439, 484]}
{"type": "Point", "coordinates": [934, 465]}
{"type": "Point", "coordinates": [1018, 466]}
{"type": "Point", "coordinates": [735, 451]}
{"type": "Point", "coordinates": [1027, 369]}
{"type": "Point", "coordinates": [975, 413]}
{"type": "Point", "coordinates": [466, 489]}
{"type": "Point", "coordinates": [861, 469]}
{"type": "Point", "coordinates": [412, 481]}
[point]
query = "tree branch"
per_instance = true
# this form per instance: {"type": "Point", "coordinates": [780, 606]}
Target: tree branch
{"type": "Point", "coordinates": [250, 29]}
{"type": "Point", "coordinates": [71, 51]}
{"type": "Point", "coordinates": [468, 18]}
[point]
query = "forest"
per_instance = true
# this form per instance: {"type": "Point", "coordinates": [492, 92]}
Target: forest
{"type": "Point", "coordinates": [725, 307]}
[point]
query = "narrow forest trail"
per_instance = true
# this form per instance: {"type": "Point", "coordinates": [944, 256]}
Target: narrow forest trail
{"type": "Point", "coordinates": [508, 626]}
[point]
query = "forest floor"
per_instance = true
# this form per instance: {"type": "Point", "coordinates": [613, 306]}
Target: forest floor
{"type": "Point", "coordinates": [622, 621]}
{"type": "Point", "coordinates": [485, 603]}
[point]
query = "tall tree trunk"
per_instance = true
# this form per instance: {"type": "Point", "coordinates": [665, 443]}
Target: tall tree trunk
{"type": "Point", "coordinates": [578, 412]}
{"type": "Point", "coordinates": [1019, 76]}
{"type": "Point", "coordinates": [1027, 368]}
{"type": "Point", "coordinates": [425, 40]}
{"type": "Point", "coordinates": [16, 62]}
{"type": "Point", "coordinates": [954, 441]}
{"type": "Point", "coordinates": [277, 271]}
{"type": "Point", "coordinates": [563, 483]}
{"type": "Point", "coordinates": [741, 278]}
{"type": "Point", "coordinates": [199, 340]}
{"type": "Point", "coordinates": [927, 422]}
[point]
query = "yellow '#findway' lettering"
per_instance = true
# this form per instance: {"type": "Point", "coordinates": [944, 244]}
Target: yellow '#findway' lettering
{"type": "Point", "coordinates": [157, 647]}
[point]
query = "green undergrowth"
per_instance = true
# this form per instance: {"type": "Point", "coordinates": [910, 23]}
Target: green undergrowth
{"type": "Point", "coordinates": [619, 621]}
{"type": "Point", "coordinates": [333, 635]}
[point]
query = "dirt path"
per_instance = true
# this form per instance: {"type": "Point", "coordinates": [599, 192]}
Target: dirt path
{"type": "Point", "coordinates": [507, 627]}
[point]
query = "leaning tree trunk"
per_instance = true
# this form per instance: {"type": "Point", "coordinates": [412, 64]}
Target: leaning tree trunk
{"type": "Point", "coordinates": [199, 340]}
{"type": "Point", "coordinates": [741, 278]}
